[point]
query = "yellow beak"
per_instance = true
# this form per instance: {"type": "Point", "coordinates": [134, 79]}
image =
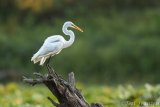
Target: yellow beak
{"type": "Point", "coordinates": [77, 28]}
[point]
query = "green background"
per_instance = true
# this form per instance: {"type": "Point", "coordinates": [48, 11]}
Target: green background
{"type": "Point", "coordinates": [120, 42]}
{"type": "Point", "coordinates": [116, 60]}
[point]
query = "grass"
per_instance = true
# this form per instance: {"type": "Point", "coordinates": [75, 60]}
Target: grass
{"type": "Point", "coordinates": [16, 95]}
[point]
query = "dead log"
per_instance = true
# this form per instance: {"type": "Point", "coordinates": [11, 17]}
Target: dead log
{"type": "Point", "coordinates": [64, 90]}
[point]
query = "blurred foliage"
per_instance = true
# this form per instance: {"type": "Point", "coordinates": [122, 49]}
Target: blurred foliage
{"type": "Point", "coordinates": [120, 40]}
{"type": "Point", "coordinates": [34, 5]}
{"type": "Point", "coordinates": [16, 95]}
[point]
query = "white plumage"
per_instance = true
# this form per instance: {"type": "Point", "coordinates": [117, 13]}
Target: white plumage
{"type": "Point", "coordinates": [54, 44]}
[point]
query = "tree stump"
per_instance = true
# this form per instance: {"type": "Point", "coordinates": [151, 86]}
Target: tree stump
{"type": "Point", "coordinates": [64, 90]}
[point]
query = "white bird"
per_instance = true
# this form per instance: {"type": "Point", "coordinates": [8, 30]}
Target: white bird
{"type": "Point", "coordinates": [54, 44]}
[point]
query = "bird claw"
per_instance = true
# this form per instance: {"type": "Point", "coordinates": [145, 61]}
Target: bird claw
{"type": "Point", "coordinates": [50, 69]}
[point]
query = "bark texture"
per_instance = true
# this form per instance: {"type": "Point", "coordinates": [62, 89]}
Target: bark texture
{"type": "Point", "coordinates": [64, 90]}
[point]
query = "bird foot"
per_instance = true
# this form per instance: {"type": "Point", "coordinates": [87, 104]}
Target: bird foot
{"type": "Point", "coordinates": [50, 69]}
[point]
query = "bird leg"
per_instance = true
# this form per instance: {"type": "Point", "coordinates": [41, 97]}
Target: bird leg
{"type": "Point", "coordinates": [51, 71]}
{"type": "Point", "coordinates": [47, 63]}
{"type": "Point", "coordinates": [49, 68]}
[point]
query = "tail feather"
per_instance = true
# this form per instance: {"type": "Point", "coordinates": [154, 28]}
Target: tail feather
{"type": "Point", "coordinates": [43, 59]}
{"type": "Point", "coordinates": [35, 58]}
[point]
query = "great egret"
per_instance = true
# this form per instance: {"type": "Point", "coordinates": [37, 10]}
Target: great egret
{"type": "Point", "coordinates": [54, 44]}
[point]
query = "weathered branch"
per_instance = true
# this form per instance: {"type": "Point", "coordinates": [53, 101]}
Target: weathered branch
{"type": "Point", "coordinates": [53, 102]}
{"type": "Point", "coordinates": [65, 91]}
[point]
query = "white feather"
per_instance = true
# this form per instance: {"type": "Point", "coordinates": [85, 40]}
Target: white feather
{"type": "Point", "coordinates": [53, 45]}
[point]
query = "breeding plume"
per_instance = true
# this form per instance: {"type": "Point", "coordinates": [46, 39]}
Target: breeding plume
{"type": "Point", "coordinates": [54, 44]}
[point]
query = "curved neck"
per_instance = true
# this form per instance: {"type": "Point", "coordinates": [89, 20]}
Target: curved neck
{"type": "Point", "coordinates": [70, 34]}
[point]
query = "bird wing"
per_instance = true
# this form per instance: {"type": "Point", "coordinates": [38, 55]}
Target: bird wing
{"type": "Point", "coordinates": [55, 38]}
{"type": "Point", "coordinates": [48, 49]}
{"type": "Point", "coordinates": [51, 46]}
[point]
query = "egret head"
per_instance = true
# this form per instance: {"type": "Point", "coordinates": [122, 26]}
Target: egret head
{"type": "Point", "coordinates": [72, 25]}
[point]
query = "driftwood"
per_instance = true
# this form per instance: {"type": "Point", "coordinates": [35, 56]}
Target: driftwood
{"type": "Point", "coordinates": [65, 91]}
